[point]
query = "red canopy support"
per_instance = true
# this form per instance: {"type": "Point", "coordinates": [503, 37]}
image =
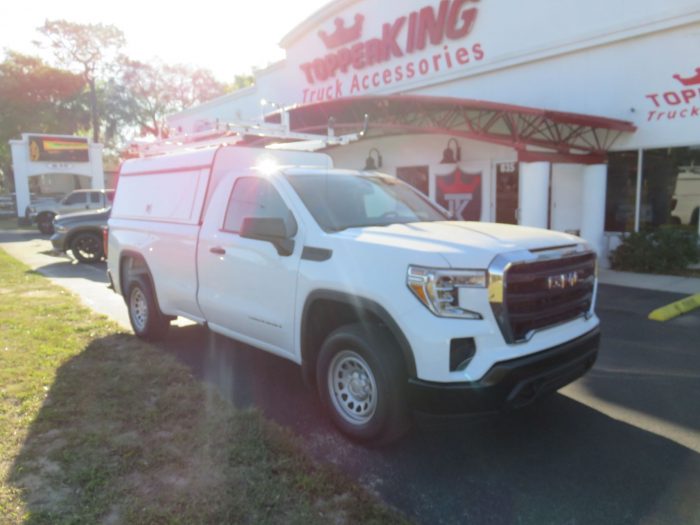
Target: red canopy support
{"type": "Point", "coordinates": [569, 137]}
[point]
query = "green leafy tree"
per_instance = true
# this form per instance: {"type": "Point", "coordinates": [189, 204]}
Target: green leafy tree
{"type": "Point", "coordinates": [35, 97]}
{"type": "Point", "coordinates": [241, 82]}
{"type": "Point", "coordinates": [88, 49]}
{"type": "Point", "coordinates": [151, 91]}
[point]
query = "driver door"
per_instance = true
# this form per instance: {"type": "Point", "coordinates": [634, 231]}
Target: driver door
{"type": "Point", "coordinates": [247, 288]}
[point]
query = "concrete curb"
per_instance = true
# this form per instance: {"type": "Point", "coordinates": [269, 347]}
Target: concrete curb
{"type": "Point", "coordinates": [662, 283]}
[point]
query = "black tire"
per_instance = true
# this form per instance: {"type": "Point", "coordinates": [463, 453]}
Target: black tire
{"type": "Point", "coordinates": [44, 222]}
{"type": "Point", "coordinates": [146, 318]}
{"type": "Point", "coordinates": [87, 247]}
{"type": "Point", "coordinates": [369, 405]}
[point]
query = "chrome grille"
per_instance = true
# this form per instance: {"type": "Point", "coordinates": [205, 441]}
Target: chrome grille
{"type": "Point", "coordinates": [543, 292]}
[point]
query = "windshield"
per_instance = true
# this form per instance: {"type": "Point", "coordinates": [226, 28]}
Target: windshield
{"type": "Point", "coordinates": [340, 201]}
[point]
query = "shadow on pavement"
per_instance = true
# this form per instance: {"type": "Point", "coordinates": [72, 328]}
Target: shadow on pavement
{"type": "Point", "coordinates": [559, 462]}
{"type": "Point", "coordinates": [70, 268]}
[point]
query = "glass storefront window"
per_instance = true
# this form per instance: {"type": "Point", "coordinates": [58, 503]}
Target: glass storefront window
{"type": "Point", "coordinates": [670, 192]}
{"type": "Point", "coordinates": [670, 187]}
{"type": "Point", "coordinates": [621, 191]}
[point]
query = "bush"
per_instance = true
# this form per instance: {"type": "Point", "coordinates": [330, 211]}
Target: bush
{"type": "Point", "coordinates": [665, 250]}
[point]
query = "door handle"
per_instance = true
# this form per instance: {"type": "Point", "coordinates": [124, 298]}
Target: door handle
{"type": "Point", "coordinates": [218, 250]}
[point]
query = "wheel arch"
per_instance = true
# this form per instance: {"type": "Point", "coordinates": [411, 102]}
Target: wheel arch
{"type": "Point", "coordinates": [134, 263]}
{"type": "Point", "coordinates": [326, 310]}
{"type": "Point", "coordinates": [85, 229]}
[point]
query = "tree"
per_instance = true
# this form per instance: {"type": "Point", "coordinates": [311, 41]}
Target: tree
{"type": "Point", "coordinates": [241, 82]}
{"type": "Point", "coordinates": [90, 49]}
{"type": "Point", "coordinates": [39, 98]}
{"type": "Point", "coordinates": [155, 90]}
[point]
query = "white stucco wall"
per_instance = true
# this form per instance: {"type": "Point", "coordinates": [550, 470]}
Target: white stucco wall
{"type": "Point", "coordinates": [624, 60]}
{"type": "Point", "coordinates": [612, 59]}
{"type": "Point", "coordinates": [401, 151]}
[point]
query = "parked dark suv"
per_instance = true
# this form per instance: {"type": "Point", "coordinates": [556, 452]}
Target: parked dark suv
{"type": "Point", "coordinates": [81, 234]}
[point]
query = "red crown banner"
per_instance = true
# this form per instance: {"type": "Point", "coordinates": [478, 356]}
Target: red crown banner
{"type": "Point", "coordinates": [689, 81]}
{"type": "Point", "coordinates": [343, 35]}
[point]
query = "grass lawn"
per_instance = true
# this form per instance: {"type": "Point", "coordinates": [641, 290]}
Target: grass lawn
{"type": "Point", "coordinates": [99, 427]}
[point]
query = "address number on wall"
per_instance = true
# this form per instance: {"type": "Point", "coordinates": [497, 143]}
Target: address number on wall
{"type": "Point", "coordinates": [507, 167]}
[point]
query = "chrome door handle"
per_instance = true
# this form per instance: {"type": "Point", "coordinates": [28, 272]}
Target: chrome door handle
{"type": "Point", "coordinates": [218, 250]}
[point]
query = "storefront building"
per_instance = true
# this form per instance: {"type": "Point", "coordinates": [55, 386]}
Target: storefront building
{"type": "Point", "coordinates": [575, 116]}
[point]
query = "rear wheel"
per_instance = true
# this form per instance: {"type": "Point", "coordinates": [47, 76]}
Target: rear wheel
{"type": "Point", "coordinates": [44, 222]}
{"type": "Point", "coordinates": [146, 318]}
{"type": "Point", "coordinates": [87, 247]}
{"type": "Point", "coordinates": [362, 383]}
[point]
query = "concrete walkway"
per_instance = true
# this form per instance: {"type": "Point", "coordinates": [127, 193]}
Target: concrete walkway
{"type": "Point", "coordinates": [662, 283]}
{"type": "Point", "coordinates": [88, 281]}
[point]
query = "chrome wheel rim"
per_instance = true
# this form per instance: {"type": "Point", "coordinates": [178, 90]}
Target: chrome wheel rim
{"type": "Point", "coordinates": [138, 306]}
{"type": "Point", "coordinates": [352, 387]}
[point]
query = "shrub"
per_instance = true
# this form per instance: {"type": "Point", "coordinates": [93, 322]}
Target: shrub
{"type": "Point", "coordinates": [665, 250]}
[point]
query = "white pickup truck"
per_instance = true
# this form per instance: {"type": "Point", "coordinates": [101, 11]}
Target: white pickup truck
{"type": "Point", "coordinates": [386, 303]}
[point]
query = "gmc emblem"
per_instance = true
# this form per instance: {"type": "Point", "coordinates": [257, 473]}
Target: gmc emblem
{"type": "Point", "coordinates": [561, 281]}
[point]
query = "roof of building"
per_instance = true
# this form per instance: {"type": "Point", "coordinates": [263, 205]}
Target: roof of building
{"type": "Point", "coordinates": [509, 125]}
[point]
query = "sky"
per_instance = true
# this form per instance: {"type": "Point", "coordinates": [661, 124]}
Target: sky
{"type": "Point", "coordinates": [228, 38]}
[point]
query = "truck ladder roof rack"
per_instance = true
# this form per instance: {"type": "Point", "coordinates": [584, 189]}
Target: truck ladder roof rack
{"type": "Point", "coordinates": [231, 133]}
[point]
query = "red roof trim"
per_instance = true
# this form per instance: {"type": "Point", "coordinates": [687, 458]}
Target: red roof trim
{"type": "Point", "coordinates": [574, 118]}
{"type": "Point", "coordinates": [505, 124]}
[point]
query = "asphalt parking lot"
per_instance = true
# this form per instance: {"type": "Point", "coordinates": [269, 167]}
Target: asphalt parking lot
{"type": "Point", "coordinates": [621, 445]}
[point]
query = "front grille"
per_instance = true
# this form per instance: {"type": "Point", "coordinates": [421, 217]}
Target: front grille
{"type": "Point", "coordinates": [545, 293]}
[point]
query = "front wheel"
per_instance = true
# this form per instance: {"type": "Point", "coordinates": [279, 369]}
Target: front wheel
{"type": "Point", "coordinates": [146, 318]}
{"type": "Point", "coordinates": [362, 383]}
{"type": "Point", "coordinates": [87, 247]}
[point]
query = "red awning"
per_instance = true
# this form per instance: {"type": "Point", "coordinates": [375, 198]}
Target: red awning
{"type": "Point", "coordinates": [565, 137]}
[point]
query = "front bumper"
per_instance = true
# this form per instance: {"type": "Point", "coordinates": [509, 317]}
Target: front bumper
{"type": "Point", "coordinates": [58, 240]}
{"type": "Point", "coordinates": [510, 384]}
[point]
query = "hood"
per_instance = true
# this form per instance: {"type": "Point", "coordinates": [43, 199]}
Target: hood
{"type": "Point", "coordinates": [88, 215]}
{"type": "Point", "coordinates": [462, 244]}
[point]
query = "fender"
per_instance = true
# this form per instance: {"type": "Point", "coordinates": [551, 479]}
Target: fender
{"type": "Point", "coordinates": [145, 270]}
{"type": "Point", "coordinates": [359, 304]}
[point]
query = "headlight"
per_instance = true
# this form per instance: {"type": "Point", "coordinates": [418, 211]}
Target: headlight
{"type": "Point", "coordinates": [31, 209]}
{"type": "Point", "coordinates": [59, 228]}
{"type": "Point", "coordinates": [438, 290]}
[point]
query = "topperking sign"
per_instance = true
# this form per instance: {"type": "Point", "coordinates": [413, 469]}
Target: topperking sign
{"type": "Point", "coordinates": [430, 40]}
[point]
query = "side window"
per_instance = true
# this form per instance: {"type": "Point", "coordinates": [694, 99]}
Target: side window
{"type": "Point", "coordinates": [76, 198]}
{"type": "Point", "coordinates": [95, 197]}
{"type": "Point", "coordinates": [257, 198]}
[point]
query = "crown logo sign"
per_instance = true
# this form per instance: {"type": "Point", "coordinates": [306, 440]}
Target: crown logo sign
{"type": "Point", "coordinates": [689, 81]}
{"type": "Point", "coordinates": [343, 34]}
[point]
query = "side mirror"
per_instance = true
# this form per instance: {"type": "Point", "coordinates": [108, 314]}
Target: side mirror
{"type": "Point", "coordinates": [272, 230]}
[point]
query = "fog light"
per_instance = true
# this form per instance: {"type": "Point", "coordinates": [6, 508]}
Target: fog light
{"type": "Point", "coordinates": [461, 353]}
